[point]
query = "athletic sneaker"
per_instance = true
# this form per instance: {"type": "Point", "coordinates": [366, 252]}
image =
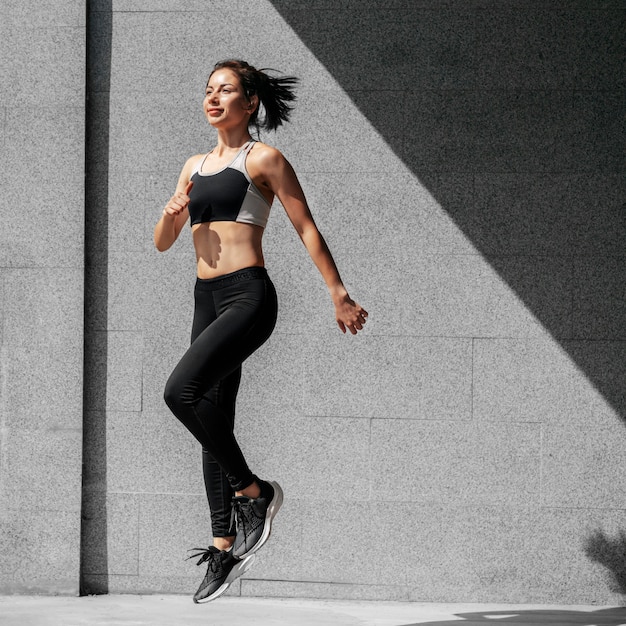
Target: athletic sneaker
{"type": "Point", "coordinates": [253, 518]}
{"type": "Point", "coordinates": [222, 570]}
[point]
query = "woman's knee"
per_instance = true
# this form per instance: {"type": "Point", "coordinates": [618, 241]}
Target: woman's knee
{"type": "Point", "coordinates": [173, 395]}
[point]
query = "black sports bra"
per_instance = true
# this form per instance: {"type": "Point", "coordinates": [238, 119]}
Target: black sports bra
{"type": "Point", "coordinates": [228, 195]}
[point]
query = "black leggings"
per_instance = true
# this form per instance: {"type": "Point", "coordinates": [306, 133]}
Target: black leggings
{"type": "Point", "coordinates": [234, 315]}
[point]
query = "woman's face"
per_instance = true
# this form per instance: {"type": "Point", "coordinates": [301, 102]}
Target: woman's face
{"type": "Point", "coordinates": [225, 103]}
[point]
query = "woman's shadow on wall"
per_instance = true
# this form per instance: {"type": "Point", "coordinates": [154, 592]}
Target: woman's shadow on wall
{"type": "Point", "coordinates": [536, 617]}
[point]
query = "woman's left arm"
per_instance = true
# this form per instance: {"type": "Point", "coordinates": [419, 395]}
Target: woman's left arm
{"type": "Point", "coordinates": [282, 180]}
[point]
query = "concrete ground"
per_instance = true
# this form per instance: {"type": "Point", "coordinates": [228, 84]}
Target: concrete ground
{"type": "Point", "coordinates": [122, 610]}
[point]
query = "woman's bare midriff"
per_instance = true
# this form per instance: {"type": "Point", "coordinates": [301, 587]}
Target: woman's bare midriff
{"type": "Point", "coordinates": [224, 247]}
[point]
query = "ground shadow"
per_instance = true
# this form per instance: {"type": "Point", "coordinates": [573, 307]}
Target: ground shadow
{"type": "Point", "coordinates": [539, 617]}
{"type": "Point", "coordinates": [94, 550]}
{"type": "Point", "coordinates": [610, 552]}
{"type": "Point", "coordinates": [528, 107]}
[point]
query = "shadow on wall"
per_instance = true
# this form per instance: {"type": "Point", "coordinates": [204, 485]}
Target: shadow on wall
{"type": "Point", "coordinates": [524, 108]}
{"type": "Point", "coordinates": [612, 554]}
{"type": "Point", "coordinates": [602, 617]}
{"type": "Point", "coordinates": [94, 550]}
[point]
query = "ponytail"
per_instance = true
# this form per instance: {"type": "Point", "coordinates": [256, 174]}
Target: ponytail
{"type": "Point", "coordinates": [275, 94]}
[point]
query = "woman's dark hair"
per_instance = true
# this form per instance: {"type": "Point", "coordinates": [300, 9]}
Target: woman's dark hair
{"type": "Point", "coordinates": [275, 93]}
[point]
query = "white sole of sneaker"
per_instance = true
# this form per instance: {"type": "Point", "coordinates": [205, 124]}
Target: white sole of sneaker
{"type": "Point", "coordinates": [238, 570]}
{"type": "Point", "coordinates": [272, 510]}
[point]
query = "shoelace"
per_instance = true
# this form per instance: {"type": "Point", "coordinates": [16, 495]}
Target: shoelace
{"type": "Point", "coordinates": [244, 516]}
{"type": "Point", "coordinates": [205, 554]}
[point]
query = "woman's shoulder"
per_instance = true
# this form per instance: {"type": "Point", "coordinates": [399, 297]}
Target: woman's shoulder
{"type": "Point", "coordinates": [192, 160]}
{"type": "Point", "coordinates": [264, 155]}
{"type": "Point", "coordinates": [192, 163]}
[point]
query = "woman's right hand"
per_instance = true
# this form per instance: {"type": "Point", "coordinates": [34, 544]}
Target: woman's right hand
{"type": "Point", "coordinates": [178, 202]}
{"type": "Point", "coordinates": [170, 224]}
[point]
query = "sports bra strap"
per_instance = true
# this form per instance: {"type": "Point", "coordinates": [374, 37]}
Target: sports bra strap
{"type": "Point", "coordinates": [242, 153]}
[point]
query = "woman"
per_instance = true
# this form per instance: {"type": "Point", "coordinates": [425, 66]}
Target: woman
{"type": "Point", "coordinates": [227, 195]}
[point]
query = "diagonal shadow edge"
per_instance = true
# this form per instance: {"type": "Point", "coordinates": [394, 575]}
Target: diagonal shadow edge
{"type": "Point", "coordinates": [499, 136]}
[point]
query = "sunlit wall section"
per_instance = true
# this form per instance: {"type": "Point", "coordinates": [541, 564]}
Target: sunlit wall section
{"type": "Point", "coordinates": [42, 112]}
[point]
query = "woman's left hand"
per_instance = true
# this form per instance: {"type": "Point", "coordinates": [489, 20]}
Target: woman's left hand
{"type": "Point", "coordinates": [350, 315]}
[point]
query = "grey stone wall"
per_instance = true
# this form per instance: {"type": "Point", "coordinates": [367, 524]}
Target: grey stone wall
{"type": "Point", "coordinates": [42, 120]}
{"type": "Point", "coordinates": [465, 162]}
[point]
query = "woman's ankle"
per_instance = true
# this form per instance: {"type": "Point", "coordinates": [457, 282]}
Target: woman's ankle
{"type": "Point", "coordinates": [223, 543]}
{"type": "Point", "coordinates": [251, 491]}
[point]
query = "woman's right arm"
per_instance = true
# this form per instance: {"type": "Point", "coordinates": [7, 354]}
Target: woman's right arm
{"type": "Point", "coordinates": [175, 213]}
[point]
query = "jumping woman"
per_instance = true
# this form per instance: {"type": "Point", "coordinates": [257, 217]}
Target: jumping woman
{"type": "Point", "coordinates": [226, 195]}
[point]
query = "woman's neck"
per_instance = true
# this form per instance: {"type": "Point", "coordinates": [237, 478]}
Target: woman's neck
{"type": "Point", "coordinates": [231, 140]}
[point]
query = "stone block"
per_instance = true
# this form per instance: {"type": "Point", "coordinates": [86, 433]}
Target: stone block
{"type": "Point", "coordinates": [445, 123]}
{"type": "Point", "coordinates": [172, 67]}
{"type": "Point", "coordinates": [441, 40]}
{"type": "Point", "coordinates": [338, 135]}
{"type": "Point", "coordinates": [128, 292]}
{"type": "Point", "coordinates": [96, 301]}
{"type": "Point", "coordinates": [304, 304]}
{"type": "Point", "coordinates": [170, 6]}
{"type": "Point", "coordinates": [420, 378]}
{"type": "Point", "coordinates": [325, 458]}
{"type": "Point", "coordinates": [43, 348]}
{"type": "Point", "coordinates": [43, 388]}
{"type": "Point", "coordinates": [127, 71]}
{"type": "Point", "coordinates": [494, 554]}
{"type": "Point", "coordinates": [175, 132]}
{"type": "Point", "coordinates": [95, 466]}
{"type": "Point", "coordinates": [170, 525]}
{"type": "Point", "coordinates": [538, 380]}
{"type": "Point", "coordinates": [598, 46]}
{"type": "Point", "coordinates": [342, 530]}
{"type": "Point", "coordinates": [545, 214]}
{"type": "Point", "coordinates": [599, 303]}
{"type": "Point", "coordinates": [99, 53]}
{"type": "Point", "coordinates": [42, 469]}
{"type": "Point", "coordinates": [517, 50]}
{"type": "Point", "coordinates": [52, 203]}
{"type": "Point", "coordinates": [522, 214]}
{"type": "Point", "coordinates": [128, 210]}
{"type": "Point", "coordinates": [518, 131]}
{"type": "Point", "coordinates": [454, 462]}
{"type": "Point", "coordinates": [56, 13]}
{"type": "Point", "coordinates": [599, 221]}
{"type": "Point", "coordinates": [287, 50]}
{"type": "Point", "coordinates": [114, 371]}
{"type": "Point", "coordinates": [60, 129]}
{"type": "Point", "coordinates": [418, 216]}
{"type": "Point", "coordinates": [39, 552]}
{"type": "Point", "coordinates": [583, 467]}
{"type": "Point", "coordinates": [110, 542]}
{"type": "Point", "coordinates": [54, 66]}
{"type": "Point", "coordinates": [168, 293]}
{"type": "Point", "coordinates": [593, 136]}
{"type": "Point", "coordinates": [510, 297]}
{"type": "Point", "coordinates": [152, 452]}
